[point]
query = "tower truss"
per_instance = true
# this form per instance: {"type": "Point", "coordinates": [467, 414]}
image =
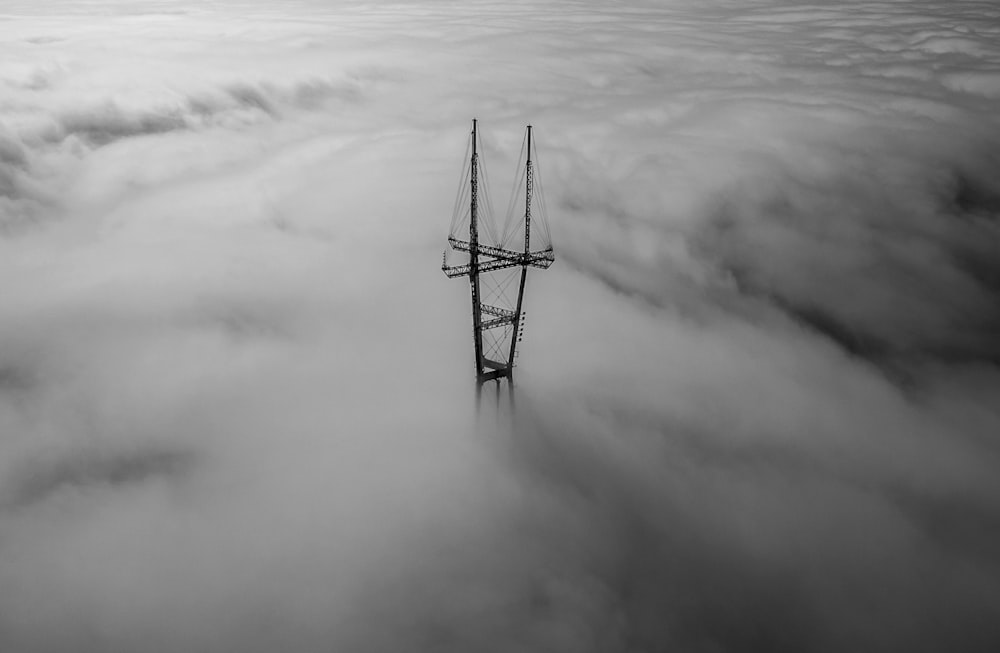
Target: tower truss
{"type": "Point", "coordinates": [492, 257]}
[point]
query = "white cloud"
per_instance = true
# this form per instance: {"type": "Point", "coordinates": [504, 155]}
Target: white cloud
{"type": "Point", "coordinates": [756, 401]}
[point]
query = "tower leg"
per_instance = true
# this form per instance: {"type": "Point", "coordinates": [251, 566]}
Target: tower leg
{"type": "Point", "coordinates": [479, 398]}
{"type": "Point", "coordinates": [515, 336]}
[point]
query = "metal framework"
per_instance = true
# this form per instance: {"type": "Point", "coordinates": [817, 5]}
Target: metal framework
{"type": "Point", "coordinates": [485, 259]}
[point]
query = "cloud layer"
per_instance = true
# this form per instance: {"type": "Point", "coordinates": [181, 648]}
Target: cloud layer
{"type": "Point", "coordinates": [756, 404]}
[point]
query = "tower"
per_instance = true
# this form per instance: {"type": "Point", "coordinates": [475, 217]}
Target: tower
{"type": "Point", "coordinates": [496, 265]}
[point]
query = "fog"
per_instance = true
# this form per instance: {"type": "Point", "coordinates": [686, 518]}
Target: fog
{"type": "Point", "coordinates": [756, 402]}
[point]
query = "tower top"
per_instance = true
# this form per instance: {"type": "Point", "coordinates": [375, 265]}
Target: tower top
{"type": "Point", "coordinates": [493, 267]}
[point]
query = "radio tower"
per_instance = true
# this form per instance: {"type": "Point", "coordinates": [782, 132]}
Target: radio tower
{"type": "Point", "coordinates": [494, 268]}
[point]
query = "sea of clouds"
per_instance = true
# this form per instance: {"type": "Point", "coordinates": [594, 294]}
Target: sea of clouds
{"type": "Point", "coordinates": [757, 406]}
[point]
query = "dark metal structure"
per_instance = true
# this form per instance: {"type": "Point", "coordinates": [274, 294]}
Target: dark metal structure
{"type": "Point", "coordinates": [493, 267]}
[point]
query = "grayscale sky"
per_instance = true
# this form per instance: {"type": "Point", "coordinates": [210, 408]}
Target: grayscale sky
{"type": "Point", "coordinates": [757, 400]}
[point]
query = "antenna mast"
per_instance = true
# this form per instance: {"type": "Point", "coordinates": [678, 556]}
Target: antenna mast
{"type": "Point", "coordinates": [477, 312]}
{"type": "Point", "coordinates": [496, 338]}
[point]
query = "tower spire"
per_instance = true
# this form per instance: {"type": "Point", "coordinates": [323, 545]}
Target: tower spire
{"type": "Point", "coordinates": [527, 196]}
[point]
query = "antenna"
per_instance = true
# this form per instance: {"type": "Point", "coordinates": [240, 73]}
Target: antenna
{"type": "Point", "coordinates": [492, 267]}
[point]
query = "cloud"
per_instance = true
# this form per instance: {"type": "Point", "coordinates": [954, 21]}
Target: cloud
{"type": "Point", "coordinates": [42, 481]}
{"type": "Point", "coordinates": [756, 401]}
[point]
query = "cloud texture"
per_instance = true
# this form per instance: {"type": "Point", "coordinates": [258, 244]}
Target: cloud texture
{"type": "Point", "coordinates": [757, 401]}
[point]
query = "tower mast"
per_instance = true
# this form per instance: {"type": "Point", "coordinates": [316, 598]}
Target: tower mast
{"type": "Point", "coordinates": [516, 336]}
{"type": "Point", "coordinates": [477, 312]}
{"type": "Point", "coordinates": [502, 318]}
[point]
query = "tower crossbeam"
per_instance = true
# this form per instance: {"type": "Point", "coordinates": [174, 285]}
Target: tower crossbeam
{"type": "Point", "coordinates": [541, 259]}
{"type": "Point", "coordinates": [494, 252]}
{"type": "Point", "coordinates": [496, 322]}
{"type": "Point", "coordinates": [496, 311]}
